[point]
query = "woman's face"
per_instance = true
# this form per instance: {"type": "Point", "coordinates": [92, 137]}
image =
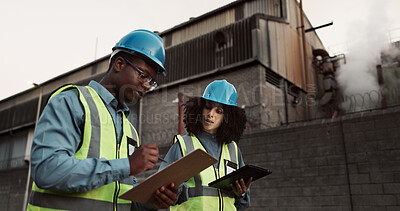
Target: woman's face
{"type": "Point", "coordinates": [212, 117]}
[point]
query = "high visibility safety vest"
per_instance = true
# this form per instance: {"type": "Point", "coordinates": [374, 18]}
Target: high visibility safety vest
{"type": "Point", "coordinates": [99, 141]}
{"type": "Point", "coordinates": [202, 197]}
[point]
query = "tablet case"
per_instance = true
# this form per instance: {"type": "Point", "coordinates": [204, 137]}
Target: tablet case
{"type": "Point", "coordinates": [177, 172]}
{"type": "Point", "coordinates": [245, 172]}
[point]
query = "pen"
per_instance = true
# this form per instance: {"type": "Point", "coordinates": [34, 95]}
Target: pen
{"type": "Point", "coordinates": [162, 160]}
{"type": "Point", "coordinates": [159, 158]}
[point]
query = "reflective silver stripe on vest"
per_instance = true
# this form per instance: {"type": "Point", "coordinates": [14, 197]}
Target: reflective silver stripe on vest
{"type": "Point", "coordinates": [134, 135]}
{"type": "Point", "coordinates": [200, 190]}
{"type": "Point", "coordinates": [232, 152]}
{"type": "Point", "coordinates": [188, 142]}
{"type": "Point", "coordinates": [130, 180]}
{"type": "Point", "coordinates": [52, 201]}
{"type": "Point", "coordinates": [94, 149]}
{"type": "Point", "coordinates": [190, 147]}
{"type": "Point", "coordinates": [208, 191]}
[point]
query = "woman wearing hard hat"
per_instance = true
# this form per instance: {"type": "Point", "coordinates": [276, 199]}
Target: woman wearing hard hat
{"type": "Point", "coordinates": [215, 124]}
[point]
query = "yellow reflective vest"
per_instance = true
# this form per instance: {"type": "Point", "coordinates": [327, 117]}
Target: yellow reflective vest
{"type": "Point", "coordinates": [99, 141]}
{"type": "Point", "coordinates": [202, 197]}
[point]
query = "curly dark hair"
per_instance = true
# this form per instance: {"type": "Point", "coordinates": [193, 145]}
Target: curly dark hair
{"type": "Point", "coordinates": [232, 126]}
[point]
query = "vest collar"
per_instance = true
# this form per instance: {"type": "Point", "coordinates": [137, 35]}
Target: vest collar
{"type": "Point", "coordinates": [107, 97]}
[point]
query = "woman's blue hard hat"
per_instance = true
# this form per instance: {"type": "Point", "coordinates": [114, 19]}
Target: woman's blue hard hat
{"type": "Point", "coordinates": [221, 91]}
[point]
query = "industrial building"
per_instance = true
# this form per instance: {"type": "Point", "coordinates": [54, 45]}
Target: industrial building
{"type": "Point", "coordinates": [262, 47]}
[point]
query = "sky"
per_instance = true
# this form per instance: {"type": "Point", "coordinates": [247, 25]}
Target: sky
{"type": "Point", "coordinates": [42, 39]}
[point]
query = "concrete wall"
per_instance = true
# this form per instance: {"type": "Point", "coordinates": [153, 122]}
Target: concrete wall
{"type": "Point", "coordinates": [350, 163]}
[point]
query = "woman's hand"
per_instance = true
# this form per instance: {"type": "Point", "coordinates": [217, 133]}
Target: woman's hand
{"type": "Point", "coordinates": [240, 187]}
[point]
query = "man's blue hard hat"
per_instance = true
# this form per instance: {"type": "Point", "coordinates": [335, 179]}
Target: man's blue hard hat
{"type": "Point", "coordinates": [221, 91]}
{"type": "Point", "coordinates": [146, 43]}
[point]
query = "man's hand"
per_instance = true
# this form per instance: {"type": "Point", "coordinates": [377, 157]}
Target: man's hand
{"type": "Point", "coordinates": [240, 187]}
{"type": "Point", "coordinates": [143, 158]}
{"type": "Point", "coordinates": [165, 196]}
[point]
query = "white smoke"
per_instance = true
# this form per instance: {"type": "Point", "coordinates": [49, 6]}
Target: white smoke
{"type": "Point", "coordinates": [358, 77]}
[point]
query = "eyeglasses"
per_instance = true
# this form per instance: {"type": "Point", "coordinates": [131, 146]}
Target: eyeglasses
{"type": "Point", "coordinates": [145, 77]}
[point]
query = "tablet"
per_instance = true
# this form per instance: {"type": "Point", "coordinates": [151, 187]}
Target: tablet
{"type": "Point", "coordinates": [245, 172]}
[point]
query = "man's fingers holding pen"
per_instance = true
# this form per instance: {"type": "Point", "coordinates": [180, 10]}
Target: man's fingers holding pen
{"type": "Point", "coordinates": [143, 158]}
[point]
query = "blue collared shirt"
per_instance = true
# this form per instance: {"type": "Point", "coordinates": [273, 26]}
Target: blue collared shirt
{"type": "Point", "coordinates": [58, 136]}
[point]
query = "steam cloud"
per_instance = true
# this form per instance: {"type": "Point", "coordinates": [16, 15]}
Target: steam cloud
{"type": "Point", "coordinates": [358, 77]}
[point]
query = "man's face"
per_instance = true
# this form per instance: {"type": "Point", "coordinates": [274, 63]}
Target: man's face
{"type": "Point", "coordinates": [131, 85]}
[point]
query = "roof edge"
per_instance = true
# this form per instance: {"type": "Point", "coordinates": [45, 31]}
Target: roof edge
{"type": "Point", "coordinates": [56, 78]}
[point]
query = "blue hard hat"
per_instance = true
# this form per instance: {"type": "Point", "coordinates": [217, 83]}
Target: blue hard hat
{"type": "Point", "coordinates": [146, 43]}
{"type": "Point", "coordinates": [221, 91]}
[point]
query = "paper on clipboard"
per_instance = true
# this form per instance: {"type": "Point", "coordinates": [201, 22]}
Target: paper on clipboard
{"type": "Point", "coordinates": [177, 172]}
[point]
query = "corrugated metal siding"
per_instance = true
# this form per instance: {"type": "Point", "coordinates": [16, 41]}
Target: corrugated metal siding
{"type": "Point", "coordinates": [18, 115]}
{"type": "Point", "coordinates": [275, 8]}
{"type": "Point", "coordinates": [202, 27]}
{"type": "Point", "coordinates": [268, 7]}
{"type": "Point", "coordinates": [241, 11]}
{"type": "Point", "coordinates": [285, 51]}
{"type": "Point", "coordinates": [293, 14]}
{"type": "Point", "coordinates": [12, 149]}
{"type": "Point", "coordinates": [6, 117]}
{"type": "Point", "coordinates": [204, 53]}
{"type": "Point", "coordinates": [25, 113]}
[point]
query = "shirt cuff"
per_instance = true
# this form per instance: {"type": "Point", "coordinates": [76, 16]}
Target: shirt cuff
{"type": "Point", "coordinates": [121, 168]}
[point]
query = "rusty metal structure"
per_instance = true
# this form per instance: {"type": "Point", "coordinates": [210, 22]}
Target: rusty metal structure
{"type": "Point", "coordinates": [388, 74]}
{"type": "Point", "coordinates": [328, 95]}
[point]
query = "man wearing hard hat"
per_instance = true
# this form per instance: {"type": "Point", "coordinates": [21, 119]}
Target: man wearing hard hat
{"type": "Point", "coordinates": [83, 152]}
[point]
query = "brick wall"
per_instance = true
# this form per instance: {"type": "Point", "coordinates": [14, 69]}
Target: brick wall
{"type": "Point", "coordinates": [350, 163]}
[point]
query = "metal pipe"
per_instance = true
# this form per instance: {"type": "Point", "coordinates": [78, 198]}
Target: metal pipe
{"type": "Point", "coordinates": [180, 113]}
{"type": "Point", "coordinates": [305, 60]}
{"type": "Point", "coordinates": [140, 119]}
{"type": "Point", "coordinates": [283, 86]}
{"type": "Point", "coordinates": [29, 145]}
{"type": "Point", "coordinates": [318, 27]}
{"type": "Point", "coordinates": [381, 83]}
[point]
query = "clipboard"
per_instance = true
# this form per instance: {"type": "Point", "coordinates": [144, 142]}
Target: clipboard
{"type": "Point", "coordinates": [177, 172]}
{"type": "Point", "coordinates": [245, 172]}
